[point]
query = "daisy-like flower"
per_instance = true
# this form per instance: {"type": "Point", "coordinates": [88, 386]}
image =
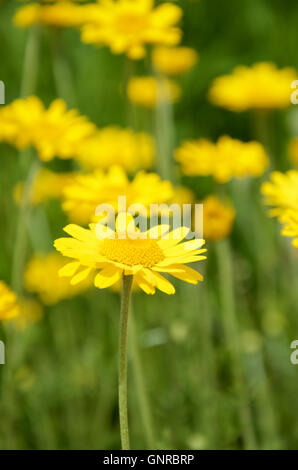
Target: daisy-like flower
{"type": "Point", "coordinates": [261, 86]}
{"type": "Point", "coordinates": [281, 192]}
{"type": "Point", "coordinates": [148, 91]}
{"type": "Point", "coordinates": [127, 26]}
{"type": "Point", "coordinates": [41, 278]}
{"type": "Point", "coordinates": [223, 160]}
{"type": "Point", "coordinates": [47, 185]}
{"type": "Point", "coordinates": [115, 146]}
{"type": "Point", "coordinates": [290, 228]}
{"type": "Point", "coordinates": [9, 305]}
{"type": "Point", "coordinates": [62, 13]}
{"type": "Point", "coordinates": [218, 218]}
{"type": "Point", "coordinates": [82, 197]}
{"type": "Point", "coordinates": [174, 60]}
{"type": "Point", "coordinates": [54, 132]}
{"type": "Point", "coordinates": [144, 255]}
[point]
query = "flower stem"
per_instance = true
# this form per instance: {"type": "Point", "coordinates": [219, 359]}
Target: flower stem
{"type": "Point", "coordinates": [125, 301]}
{"type": "Point", "coordinates": [30, 69]}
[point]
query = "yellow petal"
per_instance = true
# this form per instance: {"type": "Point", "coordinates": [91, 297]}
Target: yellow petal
{"type": "Point", "coordinates": [81, 276]}
{"type": "Point", "coordinates": [163, 284]}
{"type": "Point", "coordinates": [69, 269]}
{"type": "Point", "coordinates": [107, 277]}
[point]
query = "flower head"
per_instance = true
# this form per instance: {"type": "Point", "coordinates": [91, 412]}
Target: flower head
{"type": "Point", "coordinates": [54, 132]}
{"type": "Point", "coordinates": [145, 255]}
{"type": "Point", "coordinates": [126, 26]}
{"type": "Point", "coordinates": [281, 192]}
{"type": "Point", "coordinates": [261, 86]}
{"type": "Point", "coordinates": [9, 305]}
{"type": "Point", "coordinates": [290, 228]}
{"type": "Point", "coordinates": [82, 197]}
{"type": "Point", "coordinates": [223, 160]}
{"type": "Point", "coordinates": [115, 146]}
{"type": "Point", "coordinates": [149, 92]}
{"type": "Point", "coordinates": [218, 218]}
{"type": "Point", "coordinates": [174, 60]}
{"type": "Point", "coordinates": [41, 277]}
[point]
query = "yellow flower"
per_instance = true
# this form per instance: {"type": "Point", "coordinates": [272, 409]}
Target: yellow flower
{"type": "Point", "coordinates": [41, 277]}
{"type": "Point", "coordinates": [293, 151]}
{"type": "Point", "coordinates": [54, 132]}
{"type": "Point", "coordinates": [47, 185]}
{"type": "Point", "coordinates": [61, 14]}
{"type": "Point", "coordinates": [126, 26]}
{"type": "Point", "coordinates": [88, 191]}
{"type": "Point", "coordinates": [148, 91]}
{"type": "Point", "coordinates": [183, 195]}
{"type": "Point", "coordinates": [290, 229]}
{"type": "Point", "coordinates": [281, 192]}
{"type": "Point", "coordinates": [116, 146]}
{"type": "Point", "coordinates": [223, 160]}
{"type": "Point", "coordinates": [145, 255]}
{"type": "Point", "coordinates": [174, 60]}
{"type": "Point", "coordinates": [31, 312]}
{"type": "Point", "coordinates": [9, 305]}
{"type": "Point", "coordinates": [218, 218]}
{"type": "Point", "coordinates": [261, 86]}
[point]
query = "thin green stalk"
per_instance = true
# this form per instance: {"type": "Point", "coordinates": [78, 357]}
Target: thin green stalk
{"type": "Point", "coordinates": [30, 69]}
{"type": "Point", "coordinates": [231, 329]}
{"type": "Point", "coordinates": [140, 385]}
{"type": "Point", "coordinates": [62, 73]}
{"type": "Point", "coordinates": [123, 415]}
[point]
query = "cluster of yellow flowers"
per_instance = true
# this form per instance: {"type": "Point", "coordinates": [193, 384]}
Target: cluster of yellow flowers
{"type": "Point", "coordinates": [282, 193]}
{"type": "Point", "coordinates": [261, 86]}
{"type": "Point", "coordinates": [223, 160]}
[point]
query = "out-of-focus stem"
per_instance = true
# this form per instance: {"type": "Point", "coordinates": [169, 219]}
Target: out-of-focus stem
{"type": "Point", "coordinates": [31, 60]}
{"type": "Point", "coordinates": [62, 73]}
{"type": "Point", "coordinates": [230, 324]}
{"type": "Point", "coordinates": [123, 415]}
{"type": "Point", "coordinates": [140, 385]}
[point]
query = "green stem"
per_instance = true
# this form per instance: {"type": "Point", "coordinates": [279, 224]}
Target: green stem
{"type": "Point", "coordinates": [231, 328]}
{"type": "Point", "coordinates": [61, 70]}
{"type": "Point", "coordinates": [125, 301]}
{"type": "Point", "coordinates": [30, 69]}
{"type": "Point", "coordinates": [140, 386]}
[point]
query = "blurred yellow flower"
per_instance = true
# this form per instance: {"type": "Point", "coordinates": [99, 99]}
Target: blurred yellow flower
{"type": "Point", "coordinates": [88, 191]}
{"type": "Point", "coordinates": [148, 91]}
{"type": "Point", "coordinates": [290, 228]}
{"type": "Point", "coordinates": [54, 132]}
{"type": "Point", "coordinates": [9, 305]}
{"type": "Point", "coordinates": [142, 254]}
{"type": "Point", "coordinates": [281, 192]}
{"type": "Point", "coordinates": [183, 195]}
{"type": "Point", "coordinates": [126, 26]}
{"type": "Point", "coordinates": [47, 185]}
{"type": "Point", "coordinates": [115, 146]}
{"type": "Point", "coordinates": [223, 160]}
{"type": "Point", "coordinates": [61, 14]}
{"type": "Point", "coordinates": [218, 218]}
{"type": "Point", "coordinates": [261, 86]}
{"type": "Point", "coordinates": [174, 60]}
{"type": "Point", "coordinates": [31, 312]}
{"type": "Point", "coordinates": [293, 151]}
{"type": "Point", "coordinates": [41, 277]}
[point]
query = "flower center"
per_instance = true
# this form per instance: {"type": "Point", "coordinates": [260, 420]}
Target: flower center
{"type": "Point", "coordinates": [130, 23]}
{"type": "Point", "coordinates": [132, 252]}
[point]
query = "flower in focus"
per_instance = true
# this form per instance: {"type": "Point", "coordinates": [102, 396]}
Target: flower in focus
{"type": "Point", "coordinates": [293, 151]}
{"type": "Point", "coordinates": [145, 255]}
{"type": "Point", "coordinates": [281, 192]}
{"type": "Point", "coordinates": [47, 185]}
{"type": "Point", "coordinates": [174, 60]}
{"type": "Point", "coordinates": [218, 218]}
{"type": "Point", "coordinates": [115, 146]}
{"type": "Point", "coordinates": [41, 277]}
{"type": "Point", "coordinates": [223, 160]}
{"type": "Point", "coordinates": [61, 14]}
{"type": "Point", "coordinates": [9, 305]}
{"type": "Point", "coordinates": [126, 26]}
{"type": "Point", "coordinates": [54, 132]}
{"type": "Point", "coordinates": [148, 91]}
{"type": "Point", "coordinates": [82, 197]}
{"type": "Point", "coordinates": [261, 86]}
{"type": "Point", "coordinates": [290, 228]}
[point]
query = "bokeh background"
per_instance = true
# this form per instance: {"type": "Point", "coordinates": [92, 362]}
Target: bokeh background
{"type": "Point", "coordinates": [209, 386]}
